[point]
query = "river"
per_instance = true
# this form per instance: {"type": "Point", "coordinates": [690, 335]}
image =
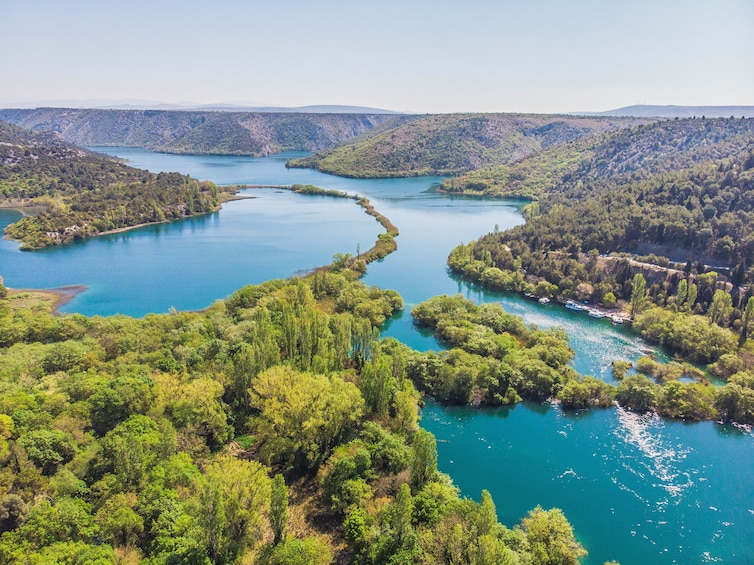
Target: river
{"type": "Point", "coordinates": [637, 489]}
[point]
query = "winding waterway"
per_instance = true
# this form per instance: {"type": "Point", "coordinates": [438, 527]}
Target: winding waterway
{"type": "Point", "coordinates": [637, 489]}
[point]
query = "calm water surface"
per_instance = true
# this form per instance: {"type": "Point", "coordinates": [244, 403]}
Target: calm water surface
{"type": "Point", "coordinates": [637, 489]}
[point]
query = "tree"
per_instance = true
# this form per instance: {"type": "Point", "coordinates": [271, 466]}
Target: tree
{"type": "Point", "coordinates": [278, 508]}
{"type": "Point", "coordinates": [746, 320]}
{"type": "Point", "coordinates": [720, 309]}
{"type": "Point", "coordinates": [487, 518]}
{"type": "Point", "coordinates": [551, 538]}
{"type": "Point", "coordinates": [424, 460]}
{"type": "Point", "coordinates": [691, 298]}
{"type": "Point", "coordinates": [637, 393]}
{"type": "Point", "coordinates": [302, 416]}
{"type": "Point", "coordinates": [243, 488]}
{"type": "Point", "coordinates": [402, 514]}
{"type": "Point", "coordinates": [638, 290]}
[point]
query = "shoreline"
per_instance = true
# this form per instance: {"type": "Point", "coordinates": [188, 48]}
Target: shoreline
{"type": "Point", "coordinates": [26, 210]}
{"type": "Point", "coordinates": [56, 297]}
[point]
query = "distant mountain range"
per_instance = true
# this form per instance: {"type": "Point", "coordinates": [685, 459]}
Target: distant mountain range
{"type": "Point", "coordinates": [135, 104]}
{"type": "Point", "coordinates": [201, 132]}
{"type": "Point", "coordinates": [653, 111]}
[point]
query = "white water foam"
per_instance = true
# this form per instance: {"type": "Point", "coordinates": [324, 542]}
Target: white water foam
{"type": "Point", "coordinates": [658, 460]}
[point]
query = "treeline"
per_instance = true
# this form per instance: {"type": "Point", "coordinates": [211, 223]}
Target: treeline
{"type": "Point", "coordinates": [454, 144]}
{"type": "Point", "coordinates": [274, 427]}
{"type": "Point", "coordinates": [83, 194]}
{"type": "Point", "coordinates": [496, 359]}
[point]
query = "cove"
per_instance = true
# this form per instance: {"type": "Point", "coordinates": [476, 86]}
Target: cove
{"type": "Point", "coordinates": [638, 490]}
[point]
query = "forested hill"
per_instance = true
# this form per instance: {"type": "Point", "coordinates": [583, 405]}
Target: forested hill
{"type": "Point", "coordinates": [682, 188]}
{"type": "Point", "coordinates": [455, 143]}
{"type": "Point", "coordinates": [80, 193]}
{"type": "Point", "coordinates": [200, 132]}
{"type": "Point", "coordinates": [623, 156]}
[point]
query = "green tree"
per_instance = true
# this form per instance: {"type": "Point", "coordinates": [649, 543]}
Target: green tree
{"type": "Point", "coordinates": [746, 320]}
{"type": "Point", "coordinates": [424, 460]}
{"type": "Point", "coordinates": [243, 488]}
{"type": "Point", "coordinates": [608, 300]}
{"type": "Point", "coordinates": [278, 509]}
{"type": "Point", "coordinates": [638, 290]}
{"type": "Point", "coordinates": [637, 393]}
{"type": "Point", "coordinates": [551, 538]}
{"type": "Point", "coordinates": [721, 308]}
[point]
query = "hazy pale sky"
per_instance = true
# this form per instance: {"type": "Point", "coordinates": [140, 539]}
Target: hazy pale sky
{"type": "Point", "coordinates": [410, 55]}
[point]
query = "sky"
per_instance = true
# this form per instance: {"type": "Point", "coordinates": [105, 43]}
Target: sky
{"type": "Point", "coordinates": [543, 56]}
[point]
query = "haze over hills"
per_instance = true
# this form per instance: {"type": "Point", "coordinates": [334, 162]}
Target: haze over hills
{"type": "Point", "coordinates": [139, 104]}
{"type": "Point", "coordinates": [655, 111]}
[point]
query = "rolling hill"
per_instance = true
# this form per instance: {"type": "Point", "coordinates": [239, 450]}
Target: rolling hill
{"type": "Point", "coordinates": [200, 132]}
{"type": "Point", "coordinates": [449, 144]}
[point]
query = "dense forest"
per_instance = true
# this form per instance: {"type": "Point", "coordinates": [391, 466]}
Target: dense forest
{"type": "Point", "coordinates": [657, 215]}
{"type": "Point", "coordinates": [200, 132]}
{"type": "Point", "coordinates": [78, 193]}
{"type": "Point", "coordinates": [451, 144]}
{"type": "Point", "coordinates": [274, 427]}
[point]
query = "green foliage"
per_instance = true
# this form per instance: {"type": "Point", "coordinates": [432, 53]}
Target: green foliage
{"type": "Point", "coordinates": [302, 415]}
{"type": "Point", "coordinates": [452, 144]}
{"type": "Point", "coordinates": [638, 289]}
{"type": "Point", "coordinates": [83, 193]}
{"type": "Point", "coordinates": [692, 336]}
{"type": "Point", "coordinates": [496, 360]}
{"type": "Point", "coordinates": [307, 551]}
{"type": "Point", "coordinates": [126, 427]}
{"type": "Point", "coordinates": [279, 509]}
{"type": "Point", "coordinates": [424, 460]}
{"type": "Point", "coordinates": [551, 538]}
{"type": "Point", "coordinates": [637, 393]}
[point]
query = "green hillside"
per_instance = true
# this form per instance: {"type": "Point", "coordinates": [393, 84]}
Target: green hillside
{"type": "Point", "coordinates": [654, 220]}
{"type": "Point", "coordinates": [623, 156]}
{"type": "Point", "coordinates": [451, 144]}
{"type": "Point", "coordinates": [78, 193]}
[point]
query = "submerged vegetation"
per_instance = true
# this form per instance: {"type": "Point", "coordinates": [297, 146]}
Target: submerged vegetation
{"type": "Point", "coordinates": [274, 427]}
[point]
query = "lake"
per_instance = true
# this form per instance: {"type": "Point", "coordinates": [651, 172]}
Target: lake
{"type": "Point", "coordinates": [637, 489]}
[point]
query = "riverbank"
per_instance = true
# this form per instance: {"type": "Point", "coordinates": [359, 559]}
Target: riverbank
{"type": "Point", "coordinates": [50, 300]}
{"type": "Point", "coordinates": [23, 207]}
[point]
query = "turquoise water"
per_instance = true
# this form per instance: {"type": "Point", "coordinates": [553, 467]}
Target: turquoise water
{"type": "Point", "coordinates": [189, 264]}
{"type": "Point", "coordinates": [637, 489]}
